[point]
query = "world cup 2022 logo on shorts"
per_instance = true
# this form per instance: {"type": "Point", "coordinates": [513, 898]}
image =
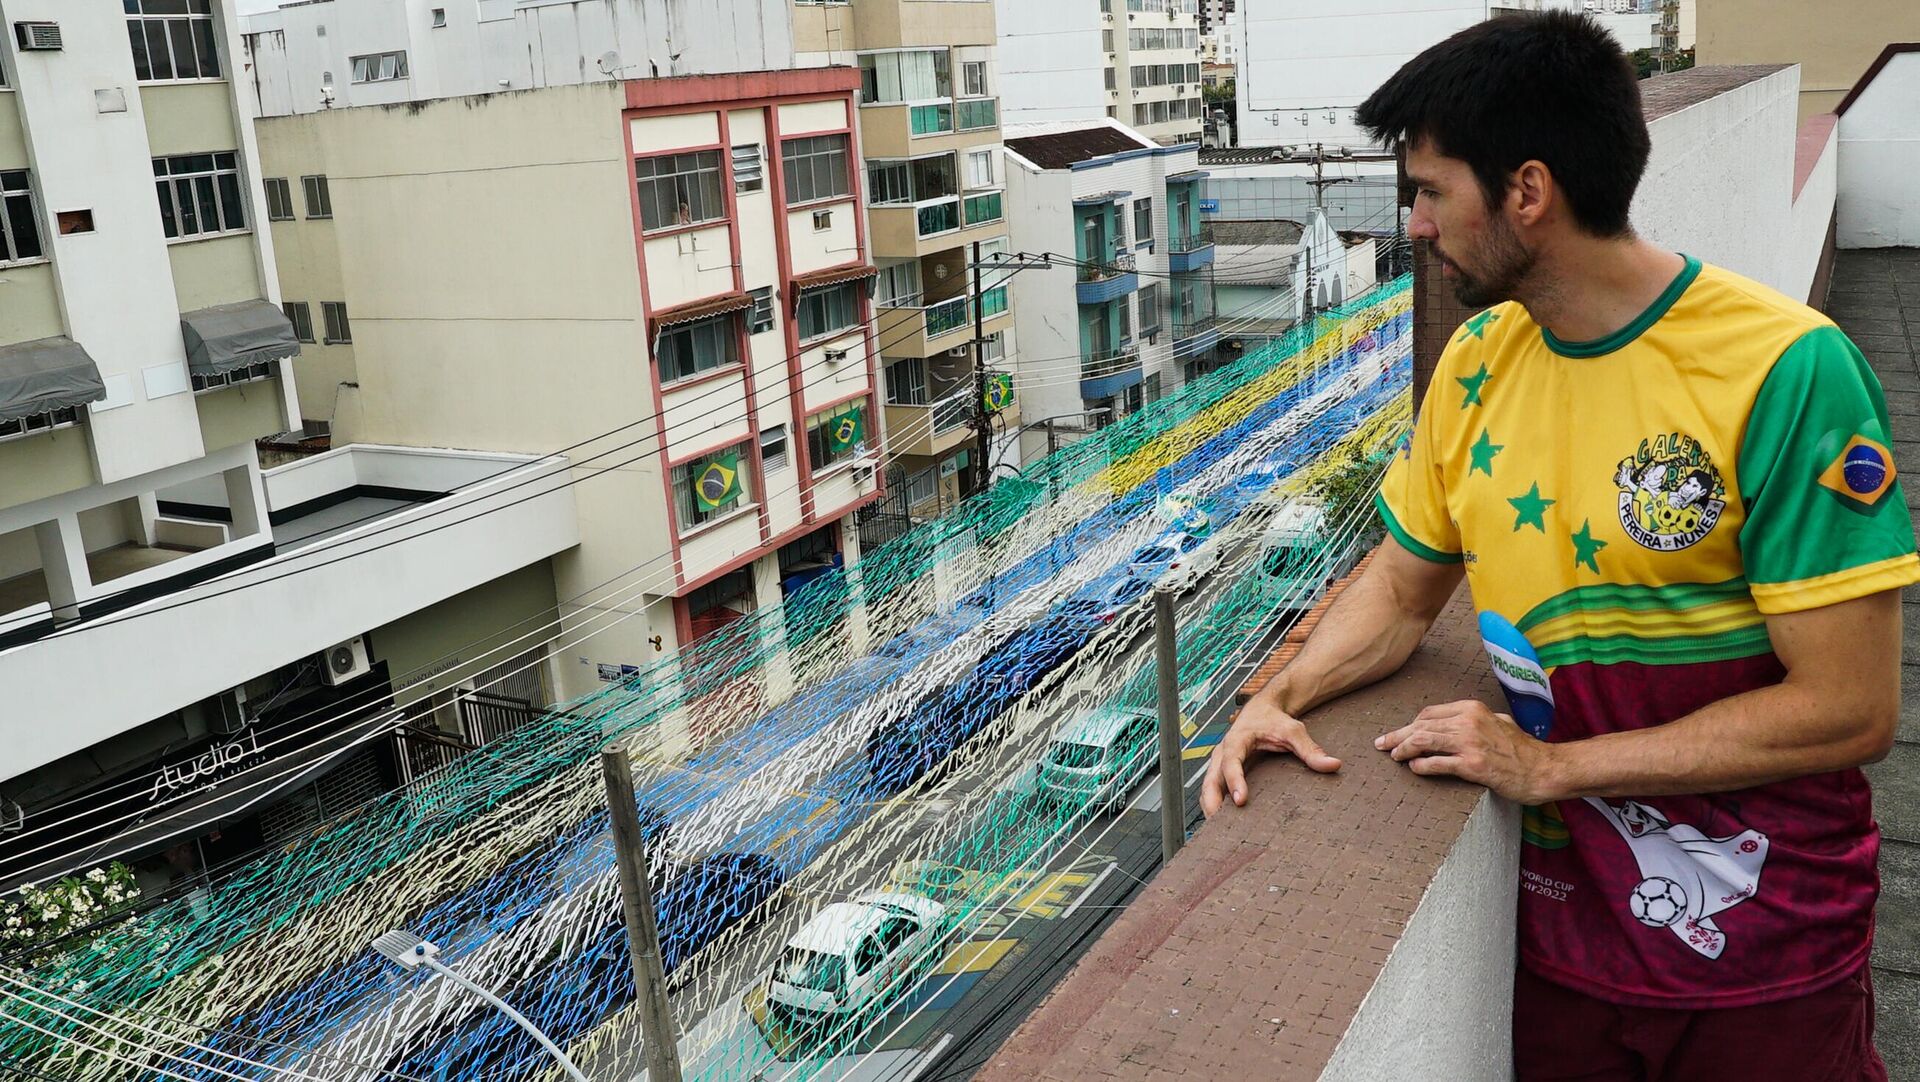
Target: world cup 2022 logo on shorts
{"type": "Point", "coordinates": [1671, 495]}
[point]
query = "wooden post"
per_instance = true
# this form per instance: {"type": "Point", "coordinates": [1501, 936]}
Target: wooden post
{"type": "Point", "coordinates": [643, 933]}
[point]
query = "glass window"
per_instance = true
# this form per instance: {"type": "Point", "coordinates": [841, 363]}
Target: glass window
{"type": "Point", "coordinates": [760, 318]}
{"type": "Point", "coordinates": [830, 311]}
{"type": "Point", "coordinates": [1143, 221]}
{"type": "Point", "coordinates": [911, 75]}
{"type": "Point", "coordinates": [907, 381]}
{"type": "Point", "coordinates": [773, 447]}
{"type": "Point", "coordinates": [834, 435]}
{"type": "Point", "coordinates": [1149, 308]}
{"type": "Point", "coordinates": [379, 67]}
{"type": "Point", "coordinates": [984, 208]}
{"type": "Point", "coordinates": [300, 314]}
{"type": "Point", "coordinates": [339, 331]}
{"type": "Point", "coordinates": [19, 226]}
{"type": "Point", "coordinates": [979, 113]}
{"type": "Point", "coordinates": [319, 198]}
{"type": "Point", "coordinates": [973, 78]}
{"type": "Point", "coordinates": [36, 423]}
{"type": "Point", "coordinates": [679, 189]}
{"type": "Point", "coordinates": [687, 349]}
{"type": "Point", "coordinates": [749, 175]}
{"type": "Point", "coordinates": [980, 169]}
{"type": "Point", "coordinates": [199, 193]}
{"type": "Point", "coordinates": [898, 284]}
{"type": "Point", "coordinates": [816, 168]}
{"type": "Point", "coordinates": [172, 39]}
{"type": "Point", "coordinates": [279, 199]}
{"type": "Point", "coordinates": [710, 486]}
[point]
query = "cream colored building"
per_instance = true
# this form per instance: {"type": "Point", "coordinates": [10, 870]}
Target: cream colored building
{"type": "Point", "coordinates": [1153, 67]}
{"type": "Point", "coordinates": [664, 277]}
{"type": "Point", "coordinates": [162, 596]}
{"type": "Point", "coordinates": [1834, 43]}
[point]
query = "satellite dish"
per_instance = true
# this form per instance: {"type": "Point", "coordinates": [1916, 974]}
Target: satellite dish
{"type": "Point", "coordinates": [609, 62]}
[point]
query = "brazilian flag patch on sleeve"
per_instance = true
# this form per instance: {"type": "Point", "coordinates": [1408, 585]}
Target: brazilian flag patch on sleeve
{"type": "Point", "coordinates": [1862, 473]}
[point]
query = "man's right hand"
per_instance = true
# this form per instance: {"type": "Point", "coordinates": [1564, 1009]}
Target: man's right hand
{"type": "Point", "coordinates": [1261, 726]}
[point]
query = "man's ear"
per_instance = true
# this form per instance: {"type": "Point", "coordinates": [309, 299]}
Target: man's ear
{"type": "Point", "coordinates": [1532, 193]}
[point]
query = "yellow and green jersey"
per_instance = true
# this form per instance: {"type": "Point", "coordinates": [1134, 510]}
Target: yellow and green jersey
{"type": "Point", "coordinates": [1630, 510]}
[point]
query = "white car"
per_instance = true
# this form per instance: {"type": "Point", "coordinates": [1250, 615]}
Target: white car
{"type": "Point", "coordinates": [1178, 559]}
{"type": "Point", "coordinates": [1095, 759]}
{"type": "Point", "coordinates": [850, 954]}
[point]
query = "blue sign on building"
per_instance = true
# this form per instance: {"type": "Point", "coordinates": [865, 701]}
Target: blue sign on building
{"type": "Point", "coordinates": [1209, 206]}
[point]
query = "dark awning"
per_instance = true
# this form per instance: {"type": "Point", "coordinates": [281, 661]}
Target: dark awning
{"type": "Point", "coordinates": [229, 336]}
{"type": "Point", "coordinates": [46, 374]}
{"type": "Point", "coordinates": [833, 276]}
{"type": "Point", "coordinates": [702, 309]}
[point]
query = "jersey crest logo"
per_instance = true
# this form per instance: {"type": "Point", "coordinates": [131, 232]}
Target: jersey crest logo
{"type": "Point", "coordinates": [1862, 473]}
{"type": "Point", "coordinates": [1671, 495]}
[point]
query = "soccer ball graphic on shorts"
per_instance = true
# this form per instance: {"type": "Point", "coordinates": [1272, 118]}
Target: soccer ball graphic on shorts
{"type": "Point", "coordinates": [1657, 902]}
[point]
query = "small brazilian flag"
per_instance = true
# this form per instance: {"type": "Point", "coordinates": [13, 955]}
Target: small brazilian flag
{"type": "Point", "coordinates": [846, 430]}
{"type": "Point", "coordinates": [999, 391]}
{"type": "Point", "coordinates": [718, 482]}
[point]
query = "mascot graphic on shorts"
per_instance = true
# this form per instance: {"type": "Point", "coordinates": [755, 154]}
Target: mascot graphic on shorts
{"type": "Point", "coordinates": [1687, 877]}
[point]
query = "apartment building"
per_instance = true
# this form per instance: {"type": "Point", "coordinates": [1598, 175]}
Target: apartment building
{"type": "Point", "coordinates": [929, 116]}
{"type": "Point", "coordinates": [1153, 67]}
{"type": "Point", "coordinates": [200, 655]}
{"type": "Point", "coordinates": [1133, 310]}
{"type": "Point", "coordinates": [688, 313]}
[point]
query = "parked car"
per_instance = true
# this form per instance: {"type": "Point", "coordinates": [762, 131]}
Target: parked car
{"type": "Point", "coordinates": [1291, 550]}
{"type": "Point", "coordinates": [1096, 758]}
{"type": "Point", "coordinates": [1179, 559]}
{"type": "Point", "coordinates": [711, 895]}
{"type": "Point", "coordinates": [849, 956]}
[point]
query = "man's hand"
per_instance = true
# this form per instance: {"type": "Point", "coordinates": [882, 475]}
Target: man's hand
{"type": "Point", "coordinates": [1261, 726]}
{"type": "Point", "coordinates": [1467, 740]}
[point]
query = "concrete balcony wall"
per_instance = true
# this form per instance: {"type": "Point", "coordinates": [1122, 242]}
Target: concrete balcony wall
{"type": "Point", "coordinates": [1880, 156]}
{"type": "Point", "coordinates": [908, 23]}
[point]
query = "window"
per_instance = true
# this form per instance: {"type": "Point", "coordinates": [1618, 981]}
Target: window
{"type": "Point", "coordinates": [834, 434]}
{"type": "Point", "coordinates": [1149, 309]}
{"type": "Point", "coordinates": [34, 424]}
{"type": "Point", "coordinates": [199, 194]}
{"type": "Point", "coordinates": [338, 330]}
{"type": "Point", "coordinates": [379, 67]}
{"type": "Point", "coordinates": [973, 78]}
{"type": "Point", "coordinates": [749, 175]}
{"type": "Point", "coordinates": [923, 486]}
{"type": "Point", "coordinates": [930, 119]}
{"type": "Point", "coordinates": [907, 381]}
{"type": "Point", "coordinates": [993, 349]}
{"type": "Point", "coordinates": [909, 181]}
{"type": "Point", "coordinates": [910, 75]}
{"type": "Point", "coordinates": [1111, 84]}
{"type": "Point", "coordinates": [980, 169]}
{"type": "Point", "coordinates": [439, 18]}
{"type": "Point", "coordinates": [773, 447]}
{"type": "Point", "coordinates": [978, 113]}
{"type": "Point", "coordinates": [830, 311]}
{"type": "Point", "coordinates": [898, 284]}
{"type": "Point", "coordinates": [822, 221]}
{"type": "Point", "coordinates": [816, 168]}
{"type": "Point", "coordinates": [213, 381]}
{"type": "Point", "coordinates": [279, 199]}
{"type": "Point", "coordinates": [1143, 221]}
{"type": "Point", "coordinates": [710, 486]}
{"type": "Point", "coordinates": [1106, 40]}
{"type": "Point", "coordinates": [19, 227]}
{"type": "Point", "coordinates": [69, 222]}
{"type": "Point", "coordinates": [760, 316]}
{"type": "Point", "coordinates": [172, 39]}
{"type": "Point", "coordinates": [679, 189]}
{"type": "Point", "coordinates": [300, 314]}
{"type": "Point", "coordinates": [319, 198]}
{"type": "Point", "coordinates": [702, 345]}
{"type": "Point", "coordinates": [984, 208]}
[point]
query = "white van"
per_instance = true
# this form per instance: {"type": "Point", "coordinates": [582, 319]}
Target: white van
{"type": "Point", "coordinates": [848, 955]}
{"type": "Point", "coordinates": [1291, 550]}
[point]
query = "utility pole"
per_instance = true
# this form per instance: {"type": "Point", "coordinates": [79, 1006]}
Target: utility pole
{"type": "Point", "coordinates": [983, 420]}
{"type": "Point", "coordinates": [643, 931]}
{"type": "Point", "coordinates": [1173, 798]}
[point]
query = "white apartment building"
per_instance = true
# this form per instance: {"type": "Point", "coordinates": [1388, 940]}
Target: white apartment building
{"type": "Point", "coordinates": [1135, 61]}
{"type": "Point", "coordinates": [1131, 303]}
{"type": "Point", "coordinates": [1305, 66]}
{"type": "Point", "coordinates": [200, 655]}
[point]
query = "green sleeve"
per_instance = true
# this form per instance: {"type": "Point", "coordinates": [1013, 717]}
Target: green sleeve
{"type": "Point", "coordinates": [1825, 519]}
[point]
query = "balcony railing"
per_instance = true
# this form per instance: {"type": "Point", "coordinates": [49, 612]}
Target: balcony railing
{"type": "Point", "coordinates": [931, 119]}
{"type": "Point", "coordinates": [953, 411]}
{"type": "Point", "coordinates": [952, 314]}
{"type": "Point", "coordinates": [1115, 265]}
{"type": "Point", "coordinates": [1109, 362]}
{"type": "Point", "coordinates": [1188, 328]}
{"type": "Point", "coordinates": [1192, 241]}
{"type": "Point", "coordinates": [976, 113]}
{"type": "Point", "coordinates": [937, 216]}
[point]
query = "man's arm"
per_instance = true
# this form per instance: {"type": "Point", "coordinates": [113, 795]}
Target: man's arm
{"type": "Point", "coordinates": [1837, 708]}
{"type": "Point", "coordinates": [1368, 632]}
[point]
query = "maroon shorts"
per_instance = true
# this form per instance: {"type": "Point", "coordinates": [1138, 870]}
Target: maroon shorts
{"type": "Point", "coordinates": [1560, 1035]}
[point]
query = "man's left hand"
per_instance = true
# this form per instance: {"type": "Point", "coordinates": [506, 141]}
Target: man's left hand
{"type": "Point", "coordinates": [1467, 740]}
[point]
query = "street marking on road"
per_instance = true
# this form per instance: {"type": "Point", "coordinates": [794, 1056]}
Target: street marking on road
{"type": "Point", "coordinates": [1091, 887]}
{"type": "Point", "coordinates": [976, 957]}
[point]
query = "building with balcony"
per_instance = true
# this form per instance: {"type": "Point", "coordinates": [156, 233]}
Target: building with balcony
{"type": "Point", "coordinates": [688, 314]}
{"type": "Point", "coordinates": [929, 119]}
{"type": "Point", "coordinates": [202, 656]}
{"type": "Point", "coordinates": [1130, 310]}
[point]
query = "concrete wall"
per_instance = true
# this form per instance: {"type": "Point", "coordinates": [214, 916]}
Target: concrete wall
{"type": "Point", "coordinates": [1832, 45]}
{"type": "Point", "coordinates": [440, 647]}
{"type": "Point", "coordinates": [1720, 183]}
{"type": "Point", "coordinates": [1052, 65]}
{"type": "Point", "coordinates": [1880, 160]}
{"type": "Point", "coordinates": [1442, 1008]}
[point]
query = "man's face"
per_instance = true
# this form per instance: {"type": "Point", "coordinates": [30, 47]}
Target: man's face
{"type": "Point", "coordinates": [1479, 252]}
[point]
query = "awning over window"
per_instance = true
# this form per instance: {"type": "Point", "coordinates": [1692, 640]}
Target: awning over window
{"type": "Point", "coordinates": [1103, 197]}
{"type": "Point", "coordinates": [1189, 175]}
{"type": "Point", "coordinates": [833, 276]}
{"type": "Point", "coordinates": [702, 309]}
{"type": "Point", "coordinates": [229, 336]}
{"type": "Point", "coordinates": [46, 374]}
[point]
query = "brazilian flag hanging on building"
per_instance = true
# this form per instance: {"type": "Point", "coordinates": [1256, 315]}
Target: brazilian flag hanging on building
{"type": "Point", "coordinates": [847, 430]}
{"type": "Point", "coordinates": [999, 391]}
{"type": "Point", "coordinates": [718, 482]}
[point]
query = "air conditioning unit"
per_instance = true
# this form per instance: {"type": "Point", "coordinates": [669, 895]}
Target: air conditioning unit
{"type": "Point", "coordinates": [347, 661]}
{"type": "Point", "coordinates": [229, 715]}
{"type": "Point", "coordinates": [37, 37]}
{"type": "Point", "coordinates": [834, 356]}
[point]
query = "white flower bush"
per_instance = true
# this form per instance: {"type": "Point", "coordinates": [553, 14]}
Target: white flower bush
{"type": "Point", "coordinates": [41, 915]}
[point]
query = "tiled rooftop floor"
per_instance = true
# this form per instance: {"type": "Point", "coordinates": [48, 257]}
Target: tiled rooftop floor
{"type": "Point", "coordinates": [1876, 300]}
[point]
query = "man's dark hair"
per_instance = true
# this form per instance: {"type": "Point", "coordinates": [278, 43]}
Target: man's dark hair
{"type": "Point", "coordinates": [1552, 86]}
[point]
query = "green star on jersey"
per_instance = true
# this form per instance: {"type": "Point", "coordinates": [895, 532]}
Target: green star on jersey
{"type": "Point", "coordinates": [1483, 451]}
{"type": "Point", "coordinates": [1473, 384]}
{"type": "Point", "coordinates": [1586, 547]}
{"type": "Point", "coordinates": [1477, 326]}
{"type": "Point", "coordinates": [1531, 508]}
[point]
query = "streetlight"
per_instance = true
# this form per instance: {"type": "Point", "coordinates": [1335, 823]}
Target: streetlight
{"type": "Point", "coordinates": [409, 952]}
